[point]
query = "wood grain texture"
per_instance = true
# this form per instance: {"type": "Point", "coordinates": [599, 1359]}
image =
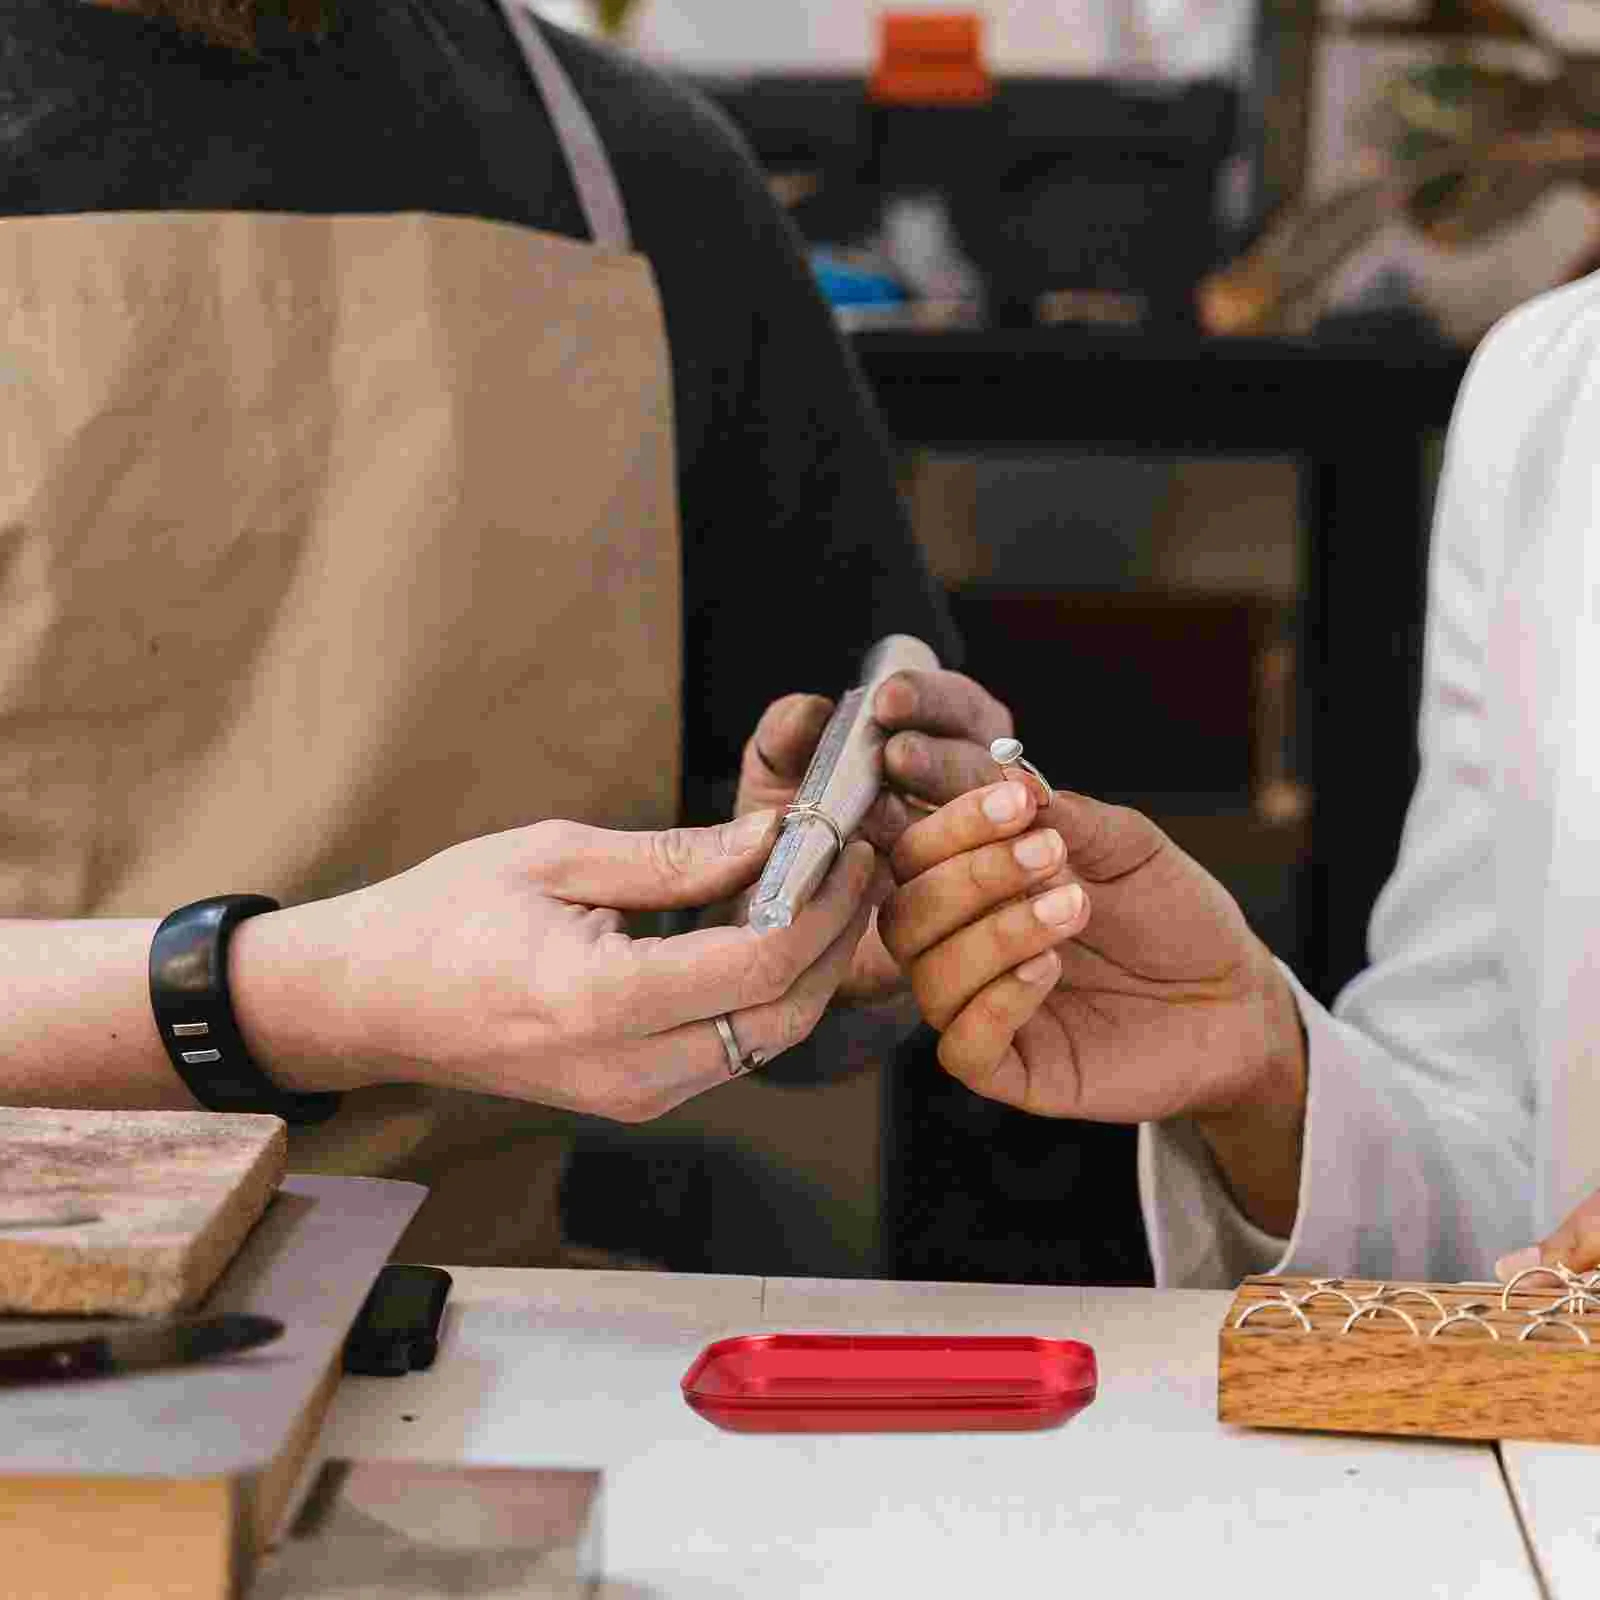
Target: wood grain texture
{"type": "Point", "coordinates": [1381, 1378]}
{"type": "Point", "coordinates": [132, 1213]}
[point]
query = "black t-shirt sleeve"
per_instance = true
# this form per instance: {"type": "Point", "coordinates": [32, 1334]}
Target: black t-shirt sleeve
{"type": "Point", "coordinates": [797, 550]}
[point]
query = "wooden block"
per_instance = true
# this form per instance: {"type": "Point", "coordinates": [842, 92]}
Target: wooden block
{"type": "Point", "coordinates": [1381, 1377]}
{"type": "Point", "coordinates": [175, 1482]}
{"type": "Point", "coordinates": [132, 1213]}
{"type": "Point", "coordinates": [132, 1540]}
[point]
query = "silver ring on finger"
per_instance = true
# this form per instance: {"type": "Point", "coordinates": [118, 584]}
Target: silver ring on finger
{"type": "Point", "coordinates": [1007, 753]}
{"type": "Point", "coordinates": [738, 1062]}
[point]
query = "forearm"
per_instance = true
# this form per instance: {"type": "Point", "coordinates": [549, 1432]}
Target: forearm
{"type": "Point", "coordinates": [1257, 1146]}
{"type": "Point", "coordinates": [77, 1029]}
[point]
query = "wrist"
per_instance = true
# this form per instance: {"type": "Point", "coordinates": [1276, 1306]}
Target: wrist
{"type": "Point", "coordinates": [1258, 1138]}
{"type": "Point", "coordinates": [287, 990]}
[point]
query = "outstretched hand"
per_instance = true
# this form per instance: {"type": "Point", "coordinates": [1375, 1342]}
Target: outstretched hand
{"type": "Point", "coordinates": [1077, 963]}
{"type": "Point", "coordinates": [502, 965]}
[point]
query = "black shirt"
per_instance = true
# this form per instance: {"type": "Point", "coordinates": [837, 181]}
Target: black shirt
{"type": "Point", "coordinates": [427, 105]}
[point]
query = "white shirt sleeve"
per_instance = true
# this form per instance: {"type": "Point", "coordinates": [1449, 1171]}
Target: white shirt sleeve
{"type": "Point", "coordinates": [1416, 1159]}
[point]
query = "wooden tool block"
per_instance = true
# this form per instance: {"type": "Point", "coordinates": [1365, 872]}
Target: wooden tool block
{"type": "Point", "coordinates": [1380, 1376]}
{"type": "Point", "coordinates": [131, 1213]}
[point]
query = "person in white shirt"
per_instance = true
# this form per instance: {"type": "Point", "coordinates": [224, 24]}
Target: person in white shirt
{"type": "Point", "coordinates": [1446, 1112]}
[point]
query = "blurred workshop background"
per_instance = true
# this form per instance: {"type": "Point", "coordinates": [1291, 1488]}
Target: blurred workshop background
{"type": "Point", "coordinates": [1166, 303]}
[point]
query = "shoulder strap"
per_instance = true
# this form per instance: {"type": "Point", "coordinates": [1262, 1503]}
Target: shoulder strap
{"type": "Point", "coordinates": [581, 143]}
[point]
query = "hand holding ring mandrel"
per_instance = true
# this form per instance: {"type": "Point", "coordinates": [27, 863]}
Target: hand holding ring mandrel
{"type": "Point", "coordinates": [1007, 753]}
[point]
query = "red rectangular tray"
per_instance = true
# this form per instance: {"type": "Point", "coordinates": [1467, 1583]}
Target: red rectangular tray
{"type": "Point", "coordinates": [889, 1383]}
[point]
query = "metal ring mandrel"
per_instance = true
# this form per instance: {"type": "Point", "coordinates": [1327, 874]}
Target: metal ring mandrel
{"type": "Point", "coordinates": [1007, 753]}
{"type": "Point", "coordinates": [842, 782]}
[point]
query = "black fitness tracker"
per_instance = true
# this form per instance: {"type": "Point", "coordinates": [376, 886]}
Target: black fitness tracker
{"type": "Point", "coordinates": [189, 991]}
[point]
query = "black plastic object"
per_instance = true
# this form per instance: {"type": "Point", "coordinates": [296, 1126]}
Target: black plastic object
{"type": "Point", "coordinates": [194, 1014]}
{"type": "Point", "coordinates": [397, 1328]}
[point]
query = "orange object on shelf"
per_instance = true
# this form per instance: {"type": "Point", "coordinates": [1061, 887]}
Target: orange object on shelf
{"type": "Point", "coordinates": [931, 58]}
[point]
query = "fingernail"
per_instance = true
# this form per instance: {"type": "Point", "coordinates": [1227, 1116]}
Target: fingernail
{"type": "Point", "coordinates": [1037, 850]}
{"type": "Point", "coordinates": [910, 755]}
{"type": "Point", "coordinates": [895, 699]}
{"type": "Point", "coordinates": [1005, 803]}
{"type": "Point", "coordinates": [750, 832]}
{"type": "Point", "coordinates": [1507, 1267]}
{"type": "Point", "coordinates": [1059, 906]}
{"type": "Point", "coordinates": [1038, 969]}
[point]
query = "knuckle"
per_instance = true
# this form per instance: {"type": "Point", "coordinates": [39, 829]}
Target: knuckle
{"type": "Point", "coordinates": [778, 964]}
{"type": "Point", "coordinates": [903, 857]}
{"type": "Point", "coordinates": [582, 1014]}
{"type": "Point", "coordinates": [989, 871]}
{"type": "Point", "coordinates": [956, 1057]}
{"type": "Point", "coordinates": [891, 926]}
{"type": "Point", "coordinates": [932, 1000]}
{"type": "Point", "coordinates": [634, 1103]}
{"type": "Point", "coordinates": [1013, 931]}
{"type": "Point", "coordinates": [553, 842]}
{"type": "Point", "coordinates": [795, 1018]}
{"type": "Point", "coordinates": [990, 1010]}
{"type": "Point", "coordinates": [672, 852]}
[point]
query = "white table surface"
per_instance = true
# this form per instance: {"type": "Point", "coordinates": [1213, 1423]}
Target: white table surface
{"type": "Point", "coordinates": [1144, 1493]}
{"type": "Point", "coordinates": [1557, 1491]}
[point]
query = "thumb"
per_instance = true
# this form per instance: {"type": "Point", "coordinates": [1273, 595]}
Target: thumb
{"type": "Point", "coordinates": [1104, 842]}
{"type": "Point", "coordinates": [1575, 1244]}
{"type": "Point", "coordinates": [659, 871]}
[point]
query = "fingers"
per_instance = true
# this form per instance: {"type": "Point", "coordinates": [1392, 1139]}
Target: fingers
{"type": "Point", "coordinates": [649, 986]}
{"type": "Point", "coordinates": [953, 972]}
{"type": "Point", "coordinates": [946, 704]}
{"type": "Point", "coordinates": [1103, 842]}
{"type": "Point", "coordinates": [649, 871]}
{"type": "Point", "coordinates": [996, 812]}
{"type": "Point", "coordinates": [935, 903]}
{"type": "Point", "coordinates": [936, 770]}
{"type": "Point", "coordinates": [978, 1047]}
{"type": "Point", "coordinates": [780, 748]}
{"type": "Point", "coordinates": [1575, 1245]}
{"type": "Point", "coordinates": [783, 1023]}
{"type": "Point", "coordinates": [673, 1066]}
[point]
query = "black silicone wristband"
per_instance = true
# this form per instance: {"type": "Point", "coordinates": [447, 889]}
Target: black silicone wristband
{"type": "Point", "coordinates": [189, 991]}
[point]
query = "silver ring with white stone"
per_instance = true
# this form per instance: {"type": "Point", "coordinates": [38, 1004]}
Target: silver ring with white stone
{"type": "Point", "coordinates": [1006, 753]}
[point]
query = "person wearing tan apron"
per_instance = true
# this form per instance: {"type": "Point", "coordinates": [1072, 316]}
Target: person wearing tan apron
{"type": "Point", "coordinates": [284, 608]}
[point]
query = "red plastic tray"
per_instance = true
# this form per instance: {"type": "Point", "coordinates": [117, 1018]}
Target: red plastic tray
{"type": "Point", "coordinates": [882, 1383]}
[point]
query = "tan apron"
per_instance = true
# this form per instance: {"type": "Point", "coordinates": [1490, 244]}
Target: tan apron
{"type": "Point", "coordinates": [328, 542]}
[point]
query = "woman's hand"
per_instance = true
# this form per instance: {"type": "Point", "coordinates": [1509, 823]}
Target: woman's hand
{"type": "Point", "coordinates": [1574, 1245]}
{"type": "Point", "coordinates": [501, 965]}
{"type": "Point", "coordinates": [941, 726]}
{"type": "Point", "coordinates": [1078, 964]}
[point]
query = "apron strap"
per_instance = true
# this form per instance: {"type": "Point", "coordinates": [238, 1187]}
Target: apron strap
{"type": "Point", "coordinates": [581, 143]}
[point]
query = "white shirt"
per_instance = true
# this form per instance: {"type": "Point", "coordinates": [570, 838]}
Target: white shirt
{"type": "Point", "coordinates": [1454, 1109]}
